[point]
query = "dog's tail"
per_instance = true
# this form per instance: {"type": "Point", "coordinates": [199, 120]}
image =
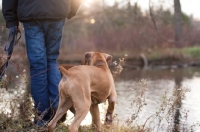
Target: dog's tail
{"type": "Point", "coordinates": [63, 70]}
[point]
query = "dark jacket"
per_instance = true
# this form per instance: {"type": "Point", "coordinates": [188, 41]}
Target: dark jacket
{"type": "Point", "coordinates": [27, 10]}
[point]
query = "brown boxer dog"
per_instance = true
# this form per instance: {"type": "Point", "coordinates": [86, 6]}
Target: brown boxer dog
{"type": "Point", "coordinates": [83, 87]}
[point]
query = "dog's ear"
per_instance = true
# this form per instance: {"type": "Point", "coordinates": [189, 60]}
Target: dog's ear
{"type": "Point", "coordinates": [108, 58]}
{"type": "Point", "coordinates": [88, 55]}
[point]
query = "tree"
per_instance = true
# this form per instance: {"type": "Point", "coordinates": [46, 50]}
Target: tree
{"type": "Point", "coordinates": [178, 22]}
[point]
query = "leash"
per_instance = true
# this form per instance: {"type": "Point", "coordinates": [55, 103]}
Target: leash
{"type": "Point", "coordinates": [13, 36]}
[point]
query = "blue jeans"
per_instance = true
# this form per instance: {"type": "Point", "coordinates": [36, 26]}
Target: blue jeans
{"type": "Point", "coordinates": [43, 39]}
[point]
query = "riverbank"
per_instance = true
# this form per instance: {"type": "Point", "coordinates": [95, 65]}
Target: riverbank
{"type": "Point", "coordinates": [166, 58]}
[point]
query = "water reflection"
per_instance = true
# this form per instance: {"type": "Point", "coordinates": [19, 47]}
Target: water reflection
{"type": "Point", "coordinates": [185, 114]}
{"type": "Point", "coordinates": [178, 78]}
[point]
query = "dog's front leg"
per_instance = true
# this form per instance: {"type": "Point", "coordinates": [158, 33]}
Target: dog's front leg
{"type": "Point", "coordinates": [94, 110]}
{"type": "Point", "coordinates": [110, 110]}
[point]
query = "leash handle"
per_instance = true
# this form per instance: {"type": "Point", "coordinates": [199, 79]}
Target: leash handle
{"type": "Point", "coordinates": [13, 33]}
{"type": "Point", "coordinates": [13, 36]}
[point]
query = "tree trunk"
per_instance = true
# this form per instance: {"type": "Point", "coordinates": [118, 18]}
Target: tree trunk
{"type": "Point", "coordinates": [178, 22]}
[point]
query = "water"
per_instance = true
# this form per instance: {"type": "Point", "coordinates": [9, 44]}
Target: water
{"type": "Point", "coordinates": [159, 81]}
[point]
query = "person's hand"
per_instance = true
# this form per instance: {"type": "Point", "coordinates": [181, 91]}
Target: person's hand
{"type": "Point", "coordinates": [13, 31]}
{"type": "Point", "coordinates": [13, 38]}
{"type": "Point", "coordinates": [70, 15]}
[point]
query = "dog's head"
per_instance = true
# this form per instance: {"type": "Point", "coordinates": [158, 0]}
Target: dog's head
{"type": "Point", "coordinates": [97, 58]}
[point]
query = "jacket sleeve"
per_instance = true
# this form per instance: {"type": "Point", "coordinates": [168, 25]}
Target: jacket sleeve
{"type": "Point", "coordinates": [9, 10]}
{"type": "Point", "coordinates": [75, 4]}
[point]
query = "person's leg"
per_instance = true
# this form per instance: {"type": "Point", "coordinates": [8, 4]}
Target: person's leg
{"type": "Point", "coordinates": [53, 36]}
{"type": "Point", "coordinates": [36, 51]}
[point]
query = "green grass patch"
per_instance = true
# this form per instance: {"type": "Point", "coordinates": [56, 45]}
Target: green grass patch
{"type": "Point", "coordinates": [181, 54]}
{"type": "Point", "coordinates": [191, 52]}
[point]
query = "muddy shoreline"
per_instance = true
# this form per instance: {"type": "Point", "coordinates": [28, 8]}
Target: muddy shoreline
{"type": "Point", "coordinates": [141, 62]}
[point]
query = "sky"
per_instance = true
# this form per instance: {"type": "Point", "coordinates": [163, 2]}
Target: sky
{"type": "Point", "coordinates": [190, 7]}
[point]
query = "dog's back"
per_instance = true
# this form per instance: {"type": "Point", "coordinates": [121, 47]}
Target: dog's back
{"type": "Point", "coordinates": [94, 78]}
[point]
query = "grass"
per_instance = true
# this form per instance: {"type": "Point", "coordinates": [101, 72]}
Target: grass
{"type": "Point", "coordinates": [173, 55]}
{"type": "Point", "coordinates": [192, 52]}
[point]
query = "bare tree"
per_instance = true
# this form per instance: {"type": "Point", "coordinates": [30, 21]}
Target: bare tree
{"type": "Point", "coordinates": [178, 22]}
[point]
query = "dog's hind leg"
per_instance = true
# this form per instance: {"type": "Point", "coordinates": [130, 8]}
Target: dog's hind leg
{"type": "Point", "coordinates": [82, 107]}
{"type": "Point", "coordinates": [64, 105]}
{"type": "Point", "coordinates": [73, 110]}
{"type": "Point", "coordinates": [94, 110]}
{"type": "Point", "coordinates": [110, 110]}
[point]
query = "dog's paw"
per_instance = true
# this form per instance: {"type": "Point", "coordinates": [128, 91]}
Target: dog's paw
{"type": "Point", "coordinates": [108, 120]}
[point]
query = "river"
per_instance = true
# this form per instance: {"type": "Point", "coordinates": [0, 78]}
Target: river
{"type": "Point", "coordinates": [159, 81]}
{"type": "Point", "coordinates": [155, 83]}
